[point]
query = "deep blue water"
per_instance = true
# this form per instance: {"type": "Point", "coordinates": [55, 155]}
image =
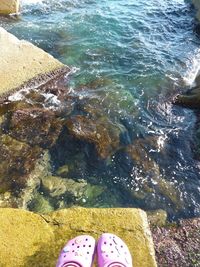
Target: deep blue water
{"type": "Point", "coordinates": [145, 51]}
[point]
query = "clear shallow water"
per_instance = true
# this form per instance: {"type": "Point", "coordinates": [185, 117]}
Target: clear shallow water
{"type": "Point", "coordinates": [142, 53]}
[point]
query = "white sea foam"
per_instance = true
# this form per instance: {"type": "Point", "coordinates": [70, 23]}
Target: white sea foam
{"type": "Point", "coordinates": [193, 68]}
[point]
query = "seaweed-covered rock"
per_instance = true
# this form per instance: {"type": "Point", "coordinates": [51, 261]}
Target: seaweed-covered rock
{"type": "Point", "coordinates": [63, 171]}
{"type": "Point", "coordinates": [150, 179]}
{"type": "Point", "coordinates": [57, 186]}
{"type": "Point", "coordinates": [35, 126]}
{"type": "Point", "coordinates": [65, 192]}
{"type": "Point", "coordinates": [17, 160]}
{"type": "Point", "coordinates": [40, 204]}
{"type": "Point", "coordinates": [25, 194]}
{"type": "Point", "coordinates": [104, 134]}
{"type": "Point", "coordinates": [178, 244]}
{"type": "Point", "coordinates": [157, 218]}
{"type": "Point", "coordinates": [189, 99]}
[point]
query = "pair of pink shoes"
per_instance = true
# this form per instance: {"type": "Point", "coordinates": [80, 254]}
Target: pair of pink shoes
{"type": "Point", "coordinates": [80, 252]}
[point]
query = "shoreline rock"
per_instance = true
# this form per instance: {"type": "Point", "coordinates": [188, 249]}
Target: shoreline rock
{"type": "Point", "coordinates": [178, 244]}
{"type": "Point", "coordinates": [196, 4]}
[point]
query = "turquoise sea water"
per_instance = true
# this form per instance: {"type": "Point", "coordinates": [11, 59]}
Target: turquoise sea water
{"type": "Point", "coordinates": [144, 51]}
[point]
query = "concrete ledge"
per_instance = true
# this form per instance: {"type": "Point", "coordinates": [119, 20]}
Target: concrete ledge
{"type": "Point", "coordinates": [21, 61]}
{"type": "Point", "coordinates": [9, 6]}
{"type": "Point", "coordinates": [29, 239]}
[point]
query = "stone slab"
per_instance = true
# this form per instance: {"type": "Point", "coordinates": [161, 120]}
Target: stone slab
{"type": "Point", "coordinates": [21, 61]}
{"type": "Point", "coordinates": [29, 239]}
{"type": "Point", "coordinates": [9, 6]}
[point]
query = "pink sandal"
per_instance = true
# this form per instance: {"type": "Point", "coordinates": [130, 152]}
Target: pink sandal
{"type": "Point", "coordinates": [78, 252]}
{"type": "Point", "coordinates": [112, 251]}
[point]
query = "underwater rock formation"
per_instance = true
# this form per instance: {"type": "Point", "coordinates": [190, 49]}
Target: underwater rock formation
{"type": "Point", "coordinates": [157, 218]}
{"type": "Point", "coordinates": [145, 183]}
{"type": "Point", "coordinates": [154, 180]}
{"type": "Point", "coordinates": [34, 126]}
{"type": "Point", "coordinates": [57, 193]}
{"type": "Point", "coordinates": [104, 134]}
{"type": "Point", "coordinates": [20, 198]}
{"type": "Point", "coordinates": [189, 99]}
{"type": "Point", "coordinates": [17, 160]}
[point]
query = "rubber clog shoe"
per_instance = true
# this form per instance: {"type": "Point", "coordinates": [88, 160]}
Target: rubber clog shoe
{"type": "Point", "coordinates": [112, 251]}
{"type": "Point", "coordinates": [78, 252]}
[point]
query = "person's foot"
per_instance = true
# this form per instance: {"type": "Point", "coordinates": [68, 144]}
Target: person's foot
{"type": "Point", "coordinates": [78, 252]}
{"type": "Point", "coordinates": [113, 252]}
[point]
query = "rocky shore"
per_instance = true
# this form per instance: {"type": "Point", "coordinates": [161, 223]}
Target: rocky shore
{"type": "Point", "coordinates": [28, 133]}
{"type": "Point", "coordinates": [33, 135]}
{"type": "Point", "coordinates": [59, 135]}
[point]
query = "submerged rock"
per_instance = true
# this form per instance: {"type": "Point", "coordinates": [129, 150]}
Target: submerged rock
{"type": "Point", "coordinates": [157, 218]}
{"type": "Point", "coordinates": [190, 99]}
{"type": "Point", "coordinates": [57, 186]}
{"type": "Point", "coordinates": [24, 195]}
{"type": "Point", "coordinates": [197, 6]}
{"type": "Point", "coordinates": [65, 192]}
{"type": "Point", "coordinates": [34, 126]}
{"type": "Point", "coordinates": [40, 204]}
{"type": "Point", "coordinates": [63, 171]}
{"type": "Point", "coordinates": [17, 160]}
{"type": "Point", "coordinates": [147, 182]}
{"type": "Point", "coordinates": [104, 134]}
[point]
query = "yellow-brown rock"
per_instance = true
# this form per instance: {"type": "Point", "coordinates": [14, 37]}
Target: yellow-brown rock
{"type": "Point", "coordinates": [29, 239]}
{"type": "Point", "coordinates": [9, 6]}
{"type": "Point", "coordinates": [21, 61]}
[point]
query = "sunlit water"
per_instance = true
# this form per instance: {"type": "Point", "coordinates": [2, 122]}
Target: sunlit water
{"type": "Point", "coordinates": [146, 51]}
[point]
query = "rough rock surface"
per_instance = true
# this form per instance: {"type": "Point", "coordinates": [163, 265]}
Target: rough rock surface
{"type": "Point", "coordinates": [157, 217]}
{"type": "Point", "coordinates": [9, 6]}
{"type": "Point", "coordinates": [35, 126]}
{"type": "Point", "coordinates": [21, 61]}
{"type": "Point", "coordinates": [102, 133]}
{"type": "Point", "coordinates": [29, 239]}
{"type": "Point", "coordinates": [197, 6]}
{"type": "Point", "coordinates": [27, 183]}
{"type": "Point", "coordinates": [178, 245]}
{"type": "Point", "coordinates": [17, 160]}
